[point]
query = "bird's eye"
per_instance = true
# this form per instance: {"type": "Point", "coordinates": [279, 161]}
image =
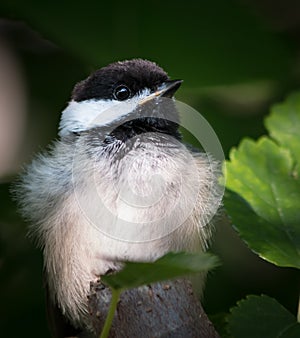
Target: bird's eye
{"type": "Point", "coordinates": [122, 93]}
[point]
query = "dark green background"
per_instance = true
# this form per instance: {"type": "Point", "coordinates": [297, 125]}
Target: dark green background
{"type": "Point", "coordinates": [236, 59]}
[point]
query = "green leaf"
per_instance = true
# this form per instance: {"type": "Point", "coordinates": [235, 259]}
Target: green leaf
{"type": "Point", "coordinates": [283, 125]}
{"type": "Point", "coordinates": [261, 173]}
{"type": "Point", "coordinates": [172, 265]}
{"type": "Point", "coordinates": [270, 241]}
{"type": "Point", "coordinates": [266, 175]}
{"type": "Point", "coordinates": [262, 317]}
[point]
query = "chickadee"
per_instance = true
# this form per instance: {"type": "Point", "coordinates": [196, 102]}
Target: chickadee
{"type": "Point", "coordinates": [117, 185]}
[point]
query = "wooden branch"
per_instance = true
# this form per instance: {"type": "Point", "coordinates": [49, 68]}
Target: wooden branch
{"type": "Point", "coordinates": [167, 309]}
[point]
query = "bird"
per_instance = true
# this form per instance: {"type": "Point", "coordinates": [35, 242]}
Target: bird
{"type": "Point", "coordinates": [118, 184]}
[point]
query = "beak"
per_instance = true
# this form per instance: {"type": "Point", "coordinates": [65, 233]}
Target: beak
{"type": "Point", "coordinates": [167, 89]}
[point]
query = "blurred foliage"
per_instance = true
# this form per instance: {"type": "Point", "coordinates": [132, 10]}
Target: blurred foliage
{"type": "Point", "coordinates": [172, 265]}
{"type": "Point", "coordinates": [207, 42]}
{"type": "Point", "coordinates": [234, 64]}
{"type": "Point", "coordinates": [262, 317]}
{"type": "Point", "coordinates": [22, 310]}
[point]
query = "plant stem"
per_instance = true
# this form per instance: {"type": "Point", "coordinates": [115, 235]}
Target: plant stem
{"type": "Point", "coordinates": [298, 314]}
{"type": "Point", "coordinates": [115, 295]}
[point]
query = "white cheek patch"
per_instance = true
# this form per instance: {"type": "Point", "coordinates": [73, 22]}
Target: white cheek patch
{"type": "Point", "coordinates": [84, 115]}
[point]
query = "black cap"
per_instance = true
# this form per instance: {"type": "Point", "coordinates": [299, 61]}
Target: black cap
{"type": "Point", "coordinates": [136, 74]}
